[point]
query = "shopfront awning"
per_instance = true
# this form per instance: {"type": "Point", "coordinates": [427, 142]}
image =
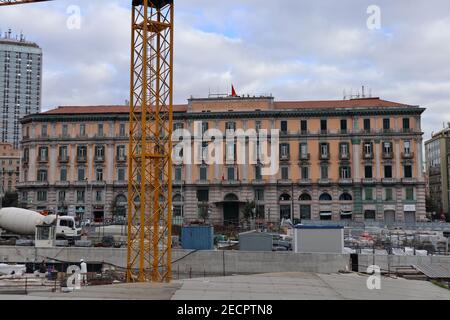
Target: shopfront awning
{"type": "Point", "coordinates": [326, 214]}
{"type": "Point", "coordinates": [346, 213]}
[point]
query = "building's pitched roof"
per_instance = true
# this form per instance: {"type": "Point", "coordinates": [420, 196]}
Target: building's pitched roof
{"type": "Point", "coordinates": [279, 105]}
{"type": "Point", "coordinates": [66, 110]}
{"type": "Point", "coordinates": [353, 103]}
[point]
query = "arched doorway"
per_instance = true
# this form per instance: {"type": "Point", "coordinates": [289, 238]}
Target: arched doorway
{"type": "Point", "coordinates": [177, 212]}
{"type": "Point", "coordinates": [345, 197]}
{"type": "Point", "coordinates": [346, 212]}
{"type": "Point", "coordinates": [305, 206]}
{"type": "Point", "coordinates": [326, 213]}
{"type": "Point", "coordinates": [285, 206]}
{"type": "Point", "coordinates": [369, 215]}
{"type": "Point", "coordinates": [121, 206]}
{"type": "Point", "coordinates": [231, 209]}
{"type": "Point", "coordinates": [389, 217]}
{"type": "Point", "coordinates": [325, 197]}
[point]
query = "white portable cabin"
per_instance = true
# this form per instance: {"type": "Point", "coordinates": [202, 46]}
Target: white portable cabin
{"type": "Point", "coordinates": [318, 239]}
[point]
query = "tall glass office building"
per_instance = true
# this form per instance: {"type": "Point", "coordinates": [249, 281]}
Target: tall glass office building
{"type": "Point", "coordinates": [20, 84]}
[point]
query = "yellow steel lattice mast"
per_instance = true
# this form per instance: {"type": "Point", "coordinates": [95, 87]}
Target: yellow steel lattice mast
{"type": "Point", "coordinates": [150, 162]}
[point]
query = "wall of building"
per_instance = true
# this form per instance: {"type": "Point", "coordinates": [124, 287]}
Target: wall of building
{"type": "Point", "coordinates": [58, 128]}
{"type": "Point", "coordinates": [53, 137]}
{"type": "Point", "coordinates": [437, 154]}
{"type": "Point", "coordinates": [9, 168]}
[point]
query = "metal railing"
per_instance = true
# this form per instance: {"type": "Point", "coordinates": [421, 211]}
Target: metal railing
{"type": "Point", "coordinates": [381, 224]}
{"type": "Point", "coordinates": [25, 285]}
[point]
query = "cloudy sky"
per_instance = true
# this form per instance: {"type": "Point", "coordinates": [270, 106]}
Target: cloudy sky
{"type": "Point", "coordinates": [293, 49]}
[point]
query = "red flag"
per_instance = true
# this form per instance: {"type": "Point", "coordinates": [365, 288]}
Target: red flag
{"type": "Point", "coordinates": [233, 92]}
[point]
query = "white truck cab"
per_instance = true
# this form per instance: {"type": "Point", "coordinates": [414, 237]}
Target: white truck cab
{"type": "Point", "coordinates": [65, 228]}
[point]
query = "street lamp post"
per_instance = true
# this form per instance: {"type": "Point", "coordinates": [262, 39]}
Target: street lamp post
{"type": "Point", "coordinates": [292, 201]}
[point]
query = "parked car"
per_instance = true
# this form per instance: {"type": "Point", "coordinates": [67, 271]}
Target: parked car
{"type": "Point", "coordinates": [86, 223]}
{"type": "Point", "coordinates": [282, 241]}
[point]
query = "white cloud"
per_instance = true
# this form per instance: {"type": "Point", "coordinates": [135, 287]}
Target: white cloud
{"type": "Point", "coordinates": [292, 49]}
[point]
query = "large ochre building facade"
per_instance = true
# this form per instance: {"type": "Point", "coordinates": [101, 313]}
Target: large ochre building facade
{"type": "Point", "coordinates": [358, 159]}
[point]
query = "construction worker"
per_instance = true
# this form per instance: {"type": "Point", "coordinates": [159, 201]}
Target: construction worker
{"type": "Point", "coordinates": [83, 267]}
{"type": "Point", "coordinates": [42, 269]}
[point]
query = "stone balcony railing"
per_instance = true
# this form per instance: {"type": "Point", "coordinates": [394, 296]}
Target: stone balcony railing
{"type": "Point", "coordinates": [388, 155]}
{"type": "Point", "coordinates": [408, 155]}
{"type": "Point", "coordinates": [324, 181]}
{"type": "Point", "coordinates": [409, 180]}
{"type": "Point", "coordinates": [345, 181]}
{"type": "Point", "coordinates": [231, 182]}
{"type": "Point", "coordinates": [305, 182]}
{"type": "Point", "coordinates": [81, 158]}
{"type": "Point", "coordinates": [344, 156]}
{"type": "Point", "coordinates": [63, 159]}
{"type": "Point", "coordinates": [285, 181]}
{"type": "Point", "coordinates": [305, 156]}
{"type": "Point", "coordinates": [389, 180]}
{"type": "Point", "coordinates": [259, 181]}
{"type": "Point", "coordinates": [368, 181]}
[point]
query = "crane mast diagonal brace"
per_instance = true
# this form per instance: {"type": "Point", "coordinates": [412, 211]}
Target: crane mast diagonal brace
{"type": "Point", "coordinates": [149, 255]}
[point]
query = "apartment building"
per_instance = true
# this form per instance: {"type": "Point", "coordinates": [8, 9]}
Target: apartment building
{"type": "Point", "coordinates": [358, 159]}
{"type": "Point", "coordinates": [20, 85]}
{"type": "Point", "coordinates": [9, 168]}
{"type": "Point", "coordinates": [437, 151]}
{"type": "Point", "coordinates": [74, 161]}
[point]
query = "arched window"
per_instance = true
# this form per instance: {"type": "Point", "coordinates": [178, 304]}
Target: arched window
{"type": "Point", "coordinates": [345, 197]}
{"type": "Point", "coordinates": [325, 197]}
{"type": "Point", "coordinates": [121, 200]}
{"type": "Point", "coordinates": [285, 197]}
{"type": "Point", "coordinates": [231, 197]}
{"type": "Point", "coordinates": [305, 197]}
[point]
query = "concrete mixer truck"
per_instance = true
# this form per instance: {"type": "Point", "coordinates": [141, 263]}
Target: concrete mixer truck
{"type": "Point", "coordinates": [21, 223]}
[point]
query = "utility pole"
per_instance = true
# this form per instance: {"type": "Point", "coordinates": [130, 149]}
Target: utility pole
{"type": "Point", "coordinates": [292, 205]}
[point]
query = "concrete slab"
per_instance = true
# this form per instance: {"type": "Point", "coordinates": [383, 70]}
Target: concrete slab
{"type": "Point", "coordinates": [275, 286]}
{"type": "Point", "coordinates": [306, 286]}
{"type": "Point", "coordinates": [138, 291]}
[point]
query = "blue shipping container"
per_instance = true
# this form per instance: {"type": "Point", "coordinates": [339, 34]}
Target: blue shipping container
{"type": "Point", "coordinates": [197, 237]}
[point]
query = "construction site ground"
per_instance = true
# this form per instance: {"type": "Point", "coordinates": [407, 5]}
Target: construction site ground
{"type": "Point", "coordinates": [273, 286]}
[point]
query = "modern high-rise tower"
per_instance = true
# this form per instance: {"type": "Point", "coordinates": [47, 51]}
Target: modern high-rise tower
{"type": "Point", "coordinates": [20, 84]}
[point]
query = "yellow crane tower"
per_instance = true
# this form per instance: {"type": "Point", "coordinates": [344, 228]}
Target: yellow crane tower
{"type": "Point", "coordinates": [149, 254]}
